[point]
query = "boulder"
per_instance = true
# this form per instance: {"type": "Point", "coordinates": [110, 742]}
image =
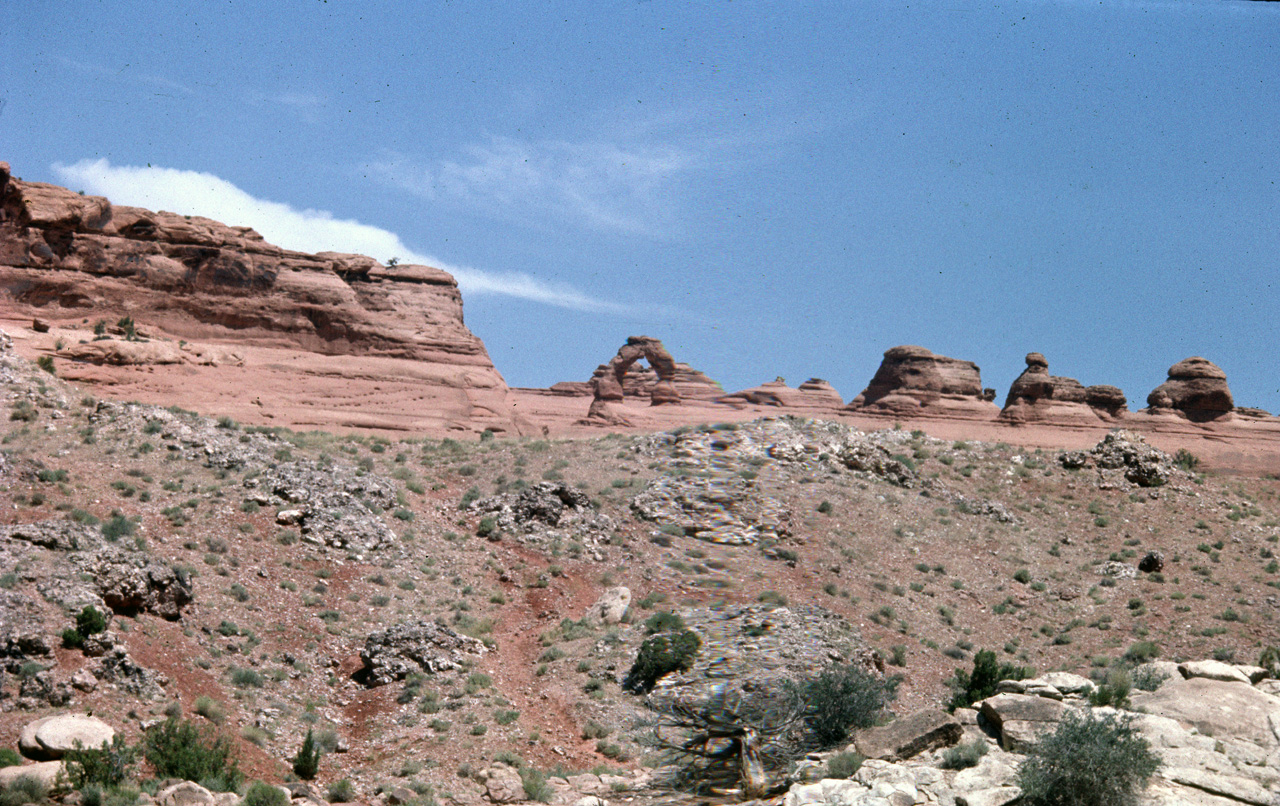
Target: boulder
{"type": "Point", "coordinates": [1196, 389]}
{"type": "Point", "coordinates": [1213, 670]}
{"type": "Point", "coordinates": [909, 736]}
{"type": "Point", "coordinates": [186, 793]}
{"type": "Point", "coordinates": [611, 606]}
{"type": "Point", "coordinates": [912, 380]}
{"type": "Point", "coordinates": [132, 583]}
{"type": "Point", "coordinates": [1021, 718]}
{"type": "Point", "coordinates": [1216, 709]}
{"type": "Point", "coordinates": [52, 736]}
{"type": "Point", "coordinates": [502, 784]}
{"type": "Point", "coordinates": [46, 772]}
{"type": "Point", "coordinates": [393, 653]}
{"type": "Point", "coordinates": [1138, 462]}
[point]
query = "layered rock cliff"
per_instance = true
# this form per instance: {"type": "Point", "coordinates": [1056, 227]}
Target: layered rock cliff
{"type": "Point", "coordinates": [71, 259]}
{"type": "Point", "coordinates": [1037, 396]}
{"type": "Point", "coordinates": [912, 380]}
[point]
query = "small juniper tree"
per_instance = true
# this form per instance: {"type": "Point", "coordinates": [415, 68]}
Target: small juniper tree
{"type": "Point", "coordinates": [307, 763]}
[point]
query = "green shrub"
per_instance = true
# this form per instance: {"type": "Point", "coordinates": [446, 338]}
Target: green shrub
{"type": "Point", "coordinates": [1270, 660]}
{"type": "Point", "coordinates": [90, 621]}
{"type": "Point", "coordinates": [844, 765]}
{"type": "Point", "coordinates": [22, 790]}
{"type": "Point", "coordinates": [970, 687]}
{"type": "Point", "coordinates": [535, 784]}
{"type": "Point", "coordinates": [263, 794]}
{"type": "Point", "coordinates": [181, 749]}
{"type": "Point", "coordinates": [663, 621]}
{"type": "Point", "coordinates": [1186, 460]}
{"type": "Point", "coordinates": [210, 709]}
{"type": "Point", "coordinates": [307, 762]}
{"type": "Point", "coordinates": [107, 766]}
{"type": "Point", "coordinates": [963, 756]}
{"type": "Point", "coordinates": [117, 527]}
{"type": "Point", "coordinates": [1148, 678]}
{"type": "Point", "coordinates": [9, 757]}
{"type": "Point", "coordinates": [1091, 759]}
{"type": "Point", "coordinates": [1141, 652]}
{"type": "Point", "coordinates": [245, 678]}
{"type": "Point", "coordinates": [660, 655]}
{"type": "Point", "coordinates": [342, 791]}
{"type": "Point", "coordinates": [843, 698]}
{"type": "Point", "coordinates": [1113, 692]}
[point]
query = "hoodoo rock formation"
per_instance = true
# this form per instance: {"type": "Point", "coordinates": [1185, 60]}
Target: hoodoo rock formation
{"type": "Point", "coordinates": [1037, 396]}
{"type": "Point", "coordinates": [814, 393]}
{"type": "Point", "coordinates": [69, 259]}
{"type": "Point", "coordinates": [1196, 389]}
{"type": "Point", "coordinates": [914, 381]}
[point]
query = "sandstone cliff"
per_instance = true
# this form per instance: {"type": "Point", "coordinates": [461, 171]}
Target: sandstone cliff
{"type": "Point", "coordinates": [1037, 396]}
{"type": "Point", "coordinates": [71, 259]}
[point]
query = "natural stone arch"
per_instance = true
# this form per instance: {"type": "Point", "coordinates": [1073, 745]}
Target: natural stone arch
{"type": "Point", "coordinates": [608, 386]}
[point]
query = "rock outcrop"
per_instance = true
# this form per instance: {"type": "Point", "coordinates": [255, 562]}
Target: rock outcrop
{"type": "Point", "coordinates": [914, 381]}
{"type": "Point", "coordinates": [1197, 390]}
{"type": "Point", "coordinates": [814, 393]}
{"type": "Point", "coordinates": [71, 258]}
{"type": "Point", "coordinates": [412, 646]}
{"type": "Point", "coordinates": [663, 382]}
{"type": "Point", "coordinates": [1037, 396]}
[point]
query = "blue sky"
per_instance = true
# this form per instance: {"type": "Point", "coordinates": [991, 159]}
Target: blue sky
{"type": "Point", "coordinates": [772, 189]}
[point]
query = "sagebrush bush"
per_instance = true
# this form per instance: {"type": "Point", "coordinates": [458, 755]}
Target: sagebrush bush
{"type": "Point", "coordinates": [181, 749]}
{"type": "Point", "coordinates": [970, 687]}
{"type": "Point", "coordinates": [263, 794]}
{"type": "Point", "coordinates": [342, 791]}
{"type": "Point", "coordinates": [107, 766]}
{"type": "Point", "coordinates": [663, 621]}
{"type": "Point", "coordinates": [9, 757]}
{"type": "Point", "coordinates": [1091, 759]}
{"type": "Point", "coordinates": [963, 756]}
{"type": "Point", "coordinates": [660, 655]}
{"type": "Point", "coordinates": [844, 765]}
{"type": "Point", "coordinates": [22, 790]}
{"type": "Point", "coordinates": [844, 698]}
{"type": "Point", "coordinates": [1114, 691]}
{"type": "Point", "coordinates": [535, 784]}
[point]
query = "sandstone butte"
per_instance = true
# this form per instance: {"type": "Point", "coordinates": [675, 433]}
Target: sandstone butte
{"type": "Point", "coordinates": [211, 317]}
{"type": "Point", "coordinates": [227, 323]}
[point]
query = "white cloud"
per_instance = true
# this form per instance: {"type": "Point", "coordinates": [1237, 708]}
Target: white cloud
{"type": "Point", "coordinates": [601, 185]}
{"type": "Point", "coordinates": [196, 193]}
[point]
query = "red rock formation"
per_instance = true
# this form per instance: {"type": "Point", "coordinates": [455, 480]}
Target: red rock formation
{"type": "Point", "coordinates": [609, 383]}
{"type": "Point", "coordinates": [74, 257]}
{"type": "Point", "coordinates": [913, 381]}
{"type": "Point", "coordinates": [1037, 396]}
{"type": "Point", "coordinates": [814, 393]}
{"type": "Point", "coordinates": [1197, 389]}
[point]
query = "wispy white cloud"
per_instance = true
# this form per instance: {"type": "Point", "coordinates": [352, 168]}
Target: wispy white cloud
{"type": "Point", "coordinates": [126, 73]}
{"type": "Point", "coordinates": [606, 186]}
{"type": "Point", "coordinates": [197, 193]}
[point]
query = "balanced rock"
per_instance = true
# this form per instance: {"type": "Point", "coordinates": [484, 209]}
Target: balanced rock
{"type": "Point", "coordinates": [912, 380]}
{"type": "Point", "coordinates": [1037, 396]}
{"type": "Point", "coordinates": [51, 737]}
{"type": "Point", "coordinates": [1197, 389]}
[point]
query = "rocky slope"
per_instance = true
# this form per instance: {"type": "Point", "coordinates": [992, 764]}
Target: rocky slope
{"type": "Point", "coordinates": [442, 611]}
